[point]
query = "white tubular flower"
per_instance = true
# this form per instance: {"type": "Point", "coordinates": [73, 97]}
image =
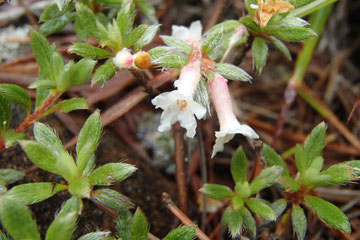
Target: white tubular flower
{"type": "Point", "coordinates": [188, 34]}
{"type": "Point", "coordinates": [229, 125]}
{"type": "Point", "coordinates": [123, 59]}
{"type": "Point", "coordinates": [178, 105]}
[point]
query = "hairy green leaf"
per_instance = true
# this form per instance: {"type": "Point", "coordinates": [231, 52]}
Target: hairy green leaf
{"type": "Point", "coordinates": [80, 188]}
{"type": "Point", "coordinates": [216, 191]}
{"type": "Point", "coordinates": [260, 53]}
{"type": "Point", "coordinates": [140, 226]}
{"type": "Point", "coordinates": [123, 224]}
{"type": "Point", "coordinates": [177, 44]}
{"type": "Point", "coordinates": [48, 137]}
{"type": "Point", "coordinates": [292, 34]}
{"type": "Point", "coordinates": [279, 206]}
{"type": "Point", "coordinates": [16, 95]}
{"type": "Point", "coordinates": [341, 173]}
{"type": "Point", "coordinates": [56, 24]}
{"type": "Point", "coordinates": [146, 37]}
{"type": "Point", "coordinates": [211, 41]}
{"type": "Point", "coordinates": [89, 51]}
{"type": "Point", "coordinates": [88, 21]}
{"type": "Point", "coordinates": [182, 233]}
{"type": "Point", "coordinates": [112, 199]}
{"type": "Point", "coordinates": [261, 208]}
{"type": "Point", "coordinates": [94, 236]}
{"type": "Point", "coordinates": [232, 72]}
{"type": "Point", "coordinates": [104, 73]}
{"type": "Point", "coordinates": [300, 159]}
{"type": "Point", "coordinates": [235, 223]}
{"type": "Point", "coordinates": [135, 35]}
{"type": "Point", "coordinates": [299, 222]}
{"type": "Point", "coordinates": [249, 222]}
{"type": "Point", "coordinates": [16, 218]}
{"type": "Point", "coordinates": [12, 137]}
{"type": "Point", "coordinates": [171, 61]}
{"type": "Point", "coordinates": [280, 46]}
{"type": "Point", "coordinates": [239, 166]}
{"type": "Point", "coordinates": [31, 193]}
{"type": "Point", "coordinates": [5, 115]}
{"type": "Point", "coordinates": [315, 143]}
{"type": "Point", "coordinates": [108, 173]}
{"type": "Point", "coordinates": [273, 158]}
{"type": "Point", "coordinates": [265, 179]}
{"type": "Point", "coordinates": [329, 213]}
{"type": "Point", "coordinates": [69, 105]}
{"type": "Point", "coordinates": [53, 11]}
{"type": "Point", "coordinates": [9, 176]}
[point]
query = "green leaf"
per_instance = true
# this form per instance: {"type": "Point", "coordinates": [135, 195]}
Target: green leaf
{"type": "Point", "coordinates": [67, 167]}
{"type": "Point", "coordinates": [315, 143]}
{"type": "Point", "coordinates": [259, 53]}
{"type": "Point", "coordinates": [31, 193]}
{"type": "Point", "coordinates": [62, 3]}
{"type": "Point", "coordinates": [135, 35]}
{"type": "Point", "coordinates": [182, 233]}
{"type": "Point", "coordinates": [329, 213]}
{"type": "Point", "coordinates": [48, 137]}
{"type": "Point", "coordinates": [300, 159]}
{"type": "Point", "coordinates": [299, 222]}
{"type": "Point", "coordinates": [171, 61]}
{"type": "Point", "coordinates": [123, 224]}
{"type": "Point", "coordinates": [292, 34]}
{"type": "Point", "coordinates": [108, 173]}
{"type": "Point", "coordinates": [9, 176]}
{"type": "Point", "coordinates": [140, 226]}
{"type": "Point", "coordinates": [83, 70]}
{"type": "Point", "coordinates": [53, 11]}
{"type": "Point", "coordinates": [280, 46]}
{"type": "Point", "coordinates": [12, 137]}
{"type": "Point", "coordinates": [248, 6]}
{"type": "Point", "coordinates": [41, 95]}
{"type": "Point", "coordinates": [17, 220]}
{"type": "Point", "coordinates": [88, 20]}
{"type": "Point", "coordinates": [158, 52]}
{"type": "Point", "coordinates": [49, 60]}
{"type": "Point", "coordinates": [243, 189]}
{"type": "Point", "coordinates": [104, 73]}
{"type": "Point", "coordinates": [80, 188]}
{"type": "Point", "coordinates": [69, 105]}
{"type": "Point", "coordinates": [40, 155]}
{"type": "Point", "coordinates": [43, 84]}
{"type": "Point", "coordinates": [112, 199]}
{"type": "Point", "coordinates": [216, 191]}
{"type": "Point", "coordinates": [5, 115]}
{"type": "Point", "coordinates": [225, 218]}
{"type": "Point", "coordinates": [265, 179]}
{"type": "Point", "coordinates": [81, 32]}
{"type": "Point", "coordinates": [317, 164]}
{"type": "Point", "coordinates": [212, 41]}
{"type": "Point", "coordinates": [16, 95]}
{"type": "Point", "coordinates": [261, 208]}
{"type": "Point", "coordinates": [95, 236]}
{"type": "Point", "coordinates": [279, 206]}
{"type": "Point", "coordinates": [274, 159]}
{"type": "Point", "coordinates": [232, 72]}
{"type": "Point", "coordinates": [239, 166]}
{"type": "Point", "coordinates": [177, 44]}
{"type": "Point", "coordinates": [146, 37]}
{"type": "Point", "coordinates": [235, 223]}
{"type": "Point", "coordinates": [56, 24]}
{"type": "Point", "coordinates": [89, 138]}
{"type": "Point", "coordinates": [65, 221]}
{"type": "Point", "coordinates": [125, 18]}
{"type": "Point", "coordinates": [341, 173]}
{"type": "Point", "coordinates": [249, 222]}
{"type": "Point", "coordinates": [300, 3]}
{"type": "Point", "coordinates": [147, 9]}
{"type": "Point", "coordinates": [250, 24]}
{"type": "Point", "coordinates": [89, 51]}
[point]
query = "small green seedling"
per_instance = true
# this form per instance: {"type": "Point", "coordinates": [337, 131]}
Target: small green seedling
{"type": "Point", "coordinates": [238, 215]}
{"type": "Point", "coordinates": [300, 190]}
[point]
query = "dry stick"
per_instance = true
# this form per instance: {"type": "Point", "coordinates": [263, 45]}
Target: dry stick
{"type": "Point", "coordinates": [181, 216]}
{"type": "Point", "coordinates": [178, 133]}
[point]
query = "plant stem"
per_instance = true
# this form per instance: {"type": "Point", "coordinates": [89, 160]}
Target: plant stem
{"type": "Point", "coordinates": [182, 217]}
{"type": "Point", "coordinates": [37, 114]}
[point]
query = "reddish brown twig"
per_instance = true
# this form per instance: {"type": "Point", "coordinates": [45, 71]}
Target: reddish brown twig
{"type": "Point", "coordinates": [182, 217]}
{"type": "Point", "coordinates": [37, 114]}
{"type": "Point", "coordinates": [178, 133]}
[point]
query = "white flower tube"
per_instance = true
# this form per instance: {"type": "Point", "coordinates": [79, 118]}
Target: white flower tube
{"type": "Point", "coordinates": [178, 105]}
{"type": "Point", "coordinates": [229, 125]}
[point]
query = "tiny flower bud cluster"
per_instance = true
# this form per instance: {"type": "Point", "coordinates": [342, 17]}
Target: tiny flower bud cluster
{"type": "Point", "coordinates": [179, 105]}
{"type": "Point", "coordinates": [124, 59]}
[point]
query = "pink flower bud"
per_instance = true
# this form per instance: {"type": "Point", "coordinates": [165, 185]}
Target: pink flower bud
{"type": "Point", "coordinates": [123, 59]}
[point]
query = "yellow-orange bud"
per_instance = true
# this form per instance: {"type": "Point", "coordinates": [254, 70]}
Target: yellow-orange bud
{"type": "Point", "coordinates": [142, 60]}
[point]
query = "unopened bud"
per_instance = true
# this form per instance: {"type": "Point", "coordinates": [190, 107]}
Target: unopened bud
{"type": "Point", "coordinates": [142, 60]}
{"type": "Point", "coordinates": [123, 59]}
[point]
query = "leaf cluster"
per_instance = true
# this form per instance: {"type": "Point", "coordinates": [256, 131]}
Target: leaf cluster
{"type": "Point", "coordinates": [238, 215]}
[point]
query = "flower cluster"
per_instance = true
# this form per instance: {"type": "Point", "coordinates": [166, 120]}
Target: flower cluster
{"type": "Point", "coordinates": [179, 105]}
